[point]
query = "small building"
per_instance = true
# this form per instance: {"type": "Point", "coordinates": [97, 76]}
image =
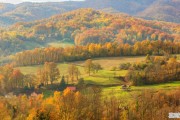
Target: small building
{"type": "Point", "coordinates": [72, 88]}
{"type": "Point", "coordinates": [125, 87]}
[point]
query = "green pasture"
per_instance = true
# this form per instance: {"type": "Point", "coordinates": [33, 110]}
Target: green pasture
{"type": "Point", "coordinates": [106, 78]}
{"type": "Point", "coordinates": [60, 44]}
{"type": "Point", "coordinates": [106, 63]}
{"type": "Point", "coordinates": [119, 92]}
{"type": "Point", "coordinates": [103, 77]}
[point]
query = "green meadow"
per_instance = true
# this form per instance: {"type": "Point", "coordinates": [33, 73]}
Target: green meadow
{"type": "Point", "coordinates": [103, 77]}
{"type": "Point", "coordinates": [106, 77]}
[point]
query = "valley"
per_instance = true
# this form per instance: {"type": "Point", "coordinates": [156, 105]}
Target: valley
{"type": "Point", "coordinates": [105, 78]}
{"type": "Point", "coordinates": [90, 60]}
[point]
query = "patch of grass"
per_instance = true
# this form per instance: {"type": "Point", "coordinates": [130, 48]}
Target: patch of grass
{"type": "Point", "coordinates": [109, 62]}
{"type": "Point", "coordinates": [107, 73]}
{"type": "Point", "coordinates": [112, 61]}
{"type": "Point", "coordinates": [105, 76]}
{"type": "Point", "coordinates": [118, 92]}
{"type": "Point", "coordinates": [31, 45]}
{"type": "Point", "coordinates": [101, 80]}
{"type": "Point", "coordinates": [63, 67]}
{"type": "Point", "coordinates": [29, 69]}
{"type": "Point", "coordinates": [178, 57]}
{"type": "Point", "coordinates": [60, 43]}
{"type": "Point", "coordinates": [170, 85]}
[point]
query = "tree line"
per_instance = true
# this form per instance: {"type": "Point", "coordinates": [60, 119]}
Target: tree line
{"type": "Point", "coordinates": [153, 70]}
{"type": "Point", "coordinates": [75, 53]}
{"type": "Point", "coordinates": [69, 105]}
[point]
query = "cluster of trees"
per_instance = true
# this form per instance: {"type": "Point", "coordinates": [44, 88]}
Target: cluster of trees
{"type": "Point", "coordinates": [154, 70]}
{"type": "Point", "coordinates": [10, 78]}
{"type": "Point", "coordinates": [13, 79]}
{"type": "Point", "coordinates": [155, 105]}
{"type": "Point", "coordinates": [83, 27]}
{"type": "Point", "coordinates": [92, 67]}
{"type": "Point", "coordinates": [124, 66]}
{"type": "Point", "coordinates": [51, 54]}
{"type": "Point", "coordinates": [73, 73]}
{"type": "Point", "coordinates": [69, 105]}
{"type": "Point", "coordinates": [46, 76]}
{"type": "Point", "coordinates": [49, 73]}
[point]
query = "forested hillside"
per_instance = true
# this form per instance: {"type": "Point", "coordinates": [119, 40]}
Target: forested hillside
{"type": "Point", "coordinates": [92, 63]}
{"type": "Point", "coordinates": [166, 10]}
{"type": "Point", "coordinates": [85, 26]}
{"type": "Point", "coordinates": [25, 12]}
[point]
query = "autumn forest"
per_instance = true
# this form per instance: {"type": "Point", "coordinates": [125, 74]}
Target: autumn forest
{"type": "Point", "coordinates": [88, 64]}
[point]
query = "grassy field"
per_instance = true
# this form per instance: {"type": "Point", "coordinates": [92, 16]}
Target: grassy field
{"type": "Point", "coordinates": [178, 57]}
{"type": "Point", "coordinates": [60, 44]}
{"type": "Point", "coordinates": [52, 43]}
{"type": "Point", "coordinates": [103, 77]}
{"type": "Point", "coordinates": [106, 63]}
{"type": "Point", "coordinates": [118, 92]}
{"type": "Point", "coordinates": [127, 95]}
{"type": "Point", "coordinates": [31, 45]}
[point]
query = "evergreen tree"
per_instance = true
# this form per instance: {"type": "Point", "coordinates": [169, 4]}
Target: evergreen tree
{"type": "Point", "coordinates": [63, 84]}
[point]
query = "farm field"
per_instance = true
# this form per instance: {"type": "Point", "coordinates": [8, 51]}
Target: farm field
{"type": "Point", "coordinates": [105, 78]}
{"type": "Point", "coordinates": [107, 63]}
{"type": "Point", "coordinates": [117, 91]}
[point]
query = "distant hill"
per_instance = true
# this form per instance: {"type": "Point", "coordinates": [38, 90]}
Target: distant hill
{"type": "Point", "coordinates": [131, 7]}
{"type": "Point", "coordinates": [6, 7]}
{"type": "Point", "coordinates": [82, 27]}
{"type": "Point", "coordinates": [166, 10]}
{"type": "Point", "coordinates": [26, 12]}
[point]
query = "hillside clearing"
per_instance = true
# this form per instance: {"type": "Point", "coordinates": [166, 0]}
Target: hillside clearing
{"type": "Point", "coordinates": [60, 44]}
{"type": "Point", "coordinates": [107, 63]}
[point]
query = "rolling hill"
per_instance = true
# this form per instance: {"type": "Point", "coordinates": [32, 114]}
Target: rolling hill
{"type": "Point", "coordinates": [166, 10]}
{"type": "Point", "coordinates": [25, 12]}
{"type": "Point", "coordinates": [84, 26]}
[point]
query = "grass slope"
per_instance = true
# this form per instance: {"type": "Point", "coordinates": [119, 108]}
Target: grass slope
{"type": "Point", "coordinates": [60, 44]}
{"type": "Point", "coordinates": [105, 78]}
{"type": "Point", "coordinates": [118, 92]}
